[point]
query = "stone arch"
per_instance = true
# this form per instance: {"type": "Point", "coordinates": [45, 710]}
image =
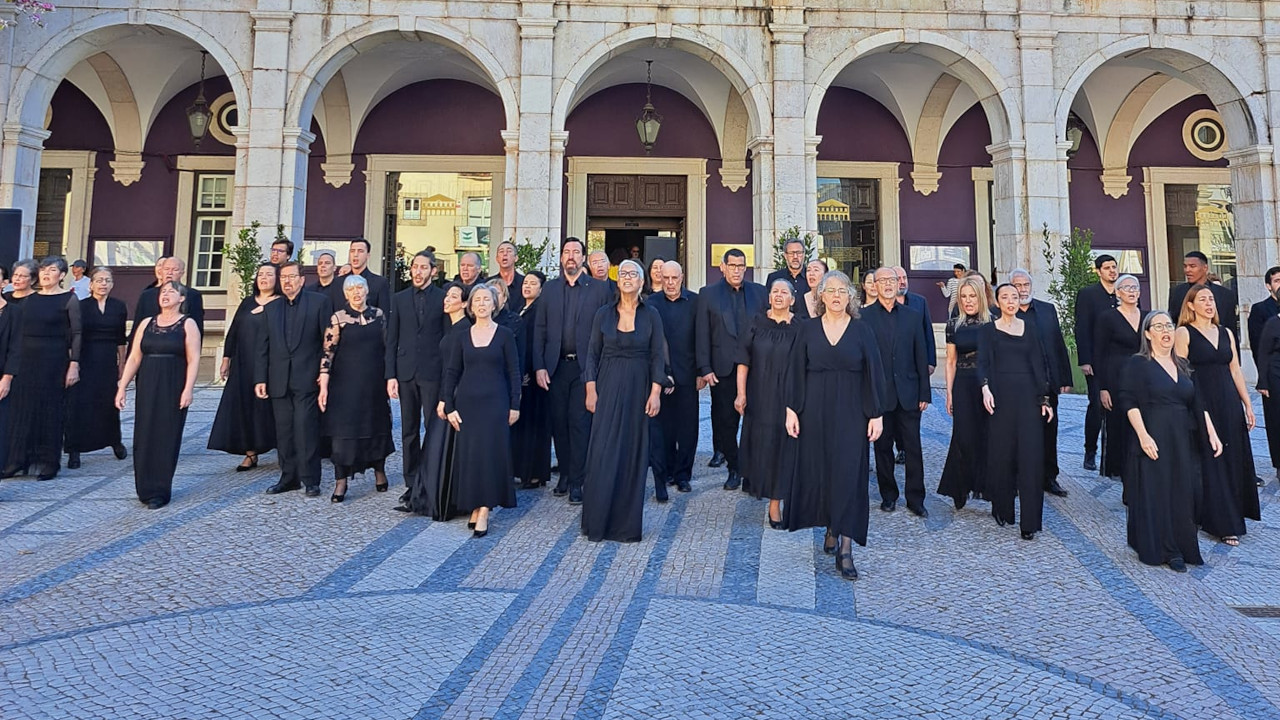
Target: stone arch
{"type": "Point", "coordinates": [39, 79]}
{"type": "Point", "coordinates": [998, 99]}
{"type": "Point", "coordinates": [1121, 134]}
{"type": "Point", "coordinates": [321, 68]}
{"type": "Point", "coordinates": [929, 134]}
{"type": "Point", "coordinates": [125, 124]}
{"type": "Point", "coordinates": [1242, 113]}
{"type": "Point", "coordinates": [732, 65]}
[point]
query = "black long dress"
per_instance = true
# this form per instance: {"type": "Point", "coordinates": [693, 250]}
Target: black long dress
{"type": "Point", "coordinates": [768, 455]}
{"type": "Point", "coordinates": [47, 341]}
{"type": "Point", "coordinates": [624, 366]}
{"type": "Point", "coordinates": [1114, 342]}
{"type": "Point", "coordinates": [9, 319]}
{"type": "Point", "coordinates": [965, 469]}
{"type": "Point", "coordinates": [431, 490]}
{"type": "Point", "coordinates": [245, 423]}
{"type": "Point", "coordinates": [158, 421]}
{"type": "Point", "coordinates": [531, 435]}
{"type": "Point", "coordinates": [837, 390]}
{"type": "Point", "coordinates": [1163, 493]}
{"type": "Point", "coordinates": [1230, 490]}
{"type": "Point", "coordinates": [1015, 371]}
{"type": "Point", "coordinates": [357, 417]}
{"type": "Point", "coordinates": [483, 385]}
{"type": "Point", "coordinates": [93, 420]}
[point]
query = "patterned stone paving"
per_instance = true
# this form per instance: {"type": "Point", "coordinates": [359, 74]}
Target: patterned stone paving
{"type": "Point", "coordinates": [231, 603]}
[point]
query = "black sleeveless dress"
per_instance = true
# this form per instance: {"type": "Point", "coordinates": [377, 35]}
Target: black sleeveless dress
{"type": "Point", "coordinates": [966, 466]}
{"type": "Point", "coordinates": [93, 422]}
{"type": "Point", "coordinates": [158, 422]}
{"type": "Point", "coordinates": [245, 423]}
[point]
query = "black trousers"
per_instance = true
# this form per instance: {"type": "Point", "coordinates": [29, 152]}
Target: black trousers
{"type": "Point", "coordinates": [901, 425]}
{"type": "Point", "coordinates": [570, 423]}
{"type": "Point", "coordinates": [298, 437]}
{"type": "Point", "coordinates": [1271, 416]}
{"type": "Point", "coordinates": [1051, 443]}
{"type": "Point", "coordinates": [724, 419]}
{"type": "Point", "coordinates": [417, 409]}
{"type": "Point", "coordinates": [676, 433]}
{"type": "Point", "coordinates": [1092, 417]}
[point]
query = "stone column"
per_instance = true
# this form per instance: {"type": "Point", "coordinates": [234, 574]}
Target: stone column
{"type": "Point", "coordinates": [1253, 197]}
{"type": "Point", "coordinates": [270, 157]}
{"type": "Point", "coordinates": [1009, 161]}
{"type": "Point", "coordinates": [20, 149]}
{"type": "Point", "coordinates": [295, 154]}
{"type": "Point", "coordinates": [555, 195]}
{"type": "Point", "coordinates": [762, 202]}
{"type": "Point", "coordinates": [534, 214]}
{"type": "Point", "coordinates": [791, 166]}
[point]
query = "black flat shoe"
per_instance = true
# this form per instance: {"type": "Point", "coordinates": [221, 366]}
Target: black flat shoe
{"type": "Point", "coordinates": [253, 463]}
{"type": "Point", "coordinates": [471, 524]}
{"type": "Point", "coordinates": [73, 461]}
{"type": "Point", "coordinates": [1053, 488]}
{"type": "Point", "coordinates": [888, 505]}
{"type": "Point", "coordinates": [829, 543]}
{"type": "Point", "coordinates": [684, 486]}
{"type": "Point", "coordinates": [480, 533]}
{"type": "Point", "coordinates": [1178, 565]}
{"type": "Point", "coordinates": [402, 508]}
{"type": "Point", "coordinates": [1001, 521]}
{"type": "Point", "coordinates": [47, 475]}
{"type": "Point", "coordinates": [717, 459]}
{"type": "Point", "coordinates": [1089, 462]}
{"type": "Point", "coordinates": [1028, 536]}
{"type": "Point", "coordinates": [844, 563]}
{"type": "Point", "coordinates": [120, 452]}
{"type": "Point", "coordinates": [156, 503]}
{"type": "Point", "coordinates": [281, 488]}
{"type": "Point", "coordinates": [919, 511]}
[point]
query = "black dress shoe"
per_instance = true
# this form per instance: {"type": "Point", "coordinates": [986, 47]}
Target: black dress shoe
{"type": "Point", "coordinates": [919, 511]}
{"type": "Point", "coordinates": [1177, 565]}
{"type": "Point", "coordinates": [561, 489]}
{"type": "Point", "coordinates": [47, 474]}
{"type": "Point", "coordinates": [1090, 462]}
{"type": "Point", "coordinates": [1001, 521]}
{"type": "Point", "coordinates": [73, 461]}
{"type": "Point", "coordinates": [733, 482]}
{"type": "Point", "coordinates": [402, 508]}
{"type": "Point", "coordinates": [120, 452]}
{"type": "Point", "coordinates": [575, 497]}
{"type": "Point", "coordinates": [156, 503]}
{"type": "Point", "coordinates": [888, 505]}
{"type": "Point", "coordinates": [281, 487]}
{"type": "Point", "coordinates": [900, 458]}
{"type": "Point", "coordinates": [717, 459]}
{"type": "Point", "coordinates": [1028, 536]}
{"type": "Point", "coordinates": [313, 491]}
{"type": "Point", "coordinates": [1053, 488]}
{"type": "Point", "coordinates": [683, 486]}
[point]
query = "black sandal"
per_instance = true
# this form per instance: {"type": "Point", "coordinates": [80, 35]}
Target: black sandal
{"type": "Point", "coordinates": [253, 463]}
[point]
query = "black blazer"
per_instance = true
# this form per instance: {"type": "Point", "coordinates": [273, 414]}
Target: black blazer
{"type": "Point", "coordinates": [379, 290]}
{"type": "Point", "coordinates": [906, 367]}
{"type": "Point", "coordinates": [413, 349]}
{"type": "Point", "coordinates": [298, 369]}
{"type": "Point", "coordinates": [1268, 352]}
{"type": "Point", "coordinates": [1091, 301]}
{"type": "Point", "coordinates": [149, 306]}
{"type": "Point", "coordinates": [1225, 298]}
{"type": "Point", "coordinates": [717, 334]}
{"type": "Point", "coordinates": [1259, 314]}
{"type": "Point", "coordinates": [1045, 317]}
{"type": "Point", "coordinates": [549, 326]}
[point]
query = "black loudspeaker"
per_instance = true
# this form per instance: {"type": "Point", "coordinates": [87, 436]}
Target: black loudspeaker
{"type": "Point", "coordinates": [10, 236]}
{"type": "Point", "coordinates": [663, 247]}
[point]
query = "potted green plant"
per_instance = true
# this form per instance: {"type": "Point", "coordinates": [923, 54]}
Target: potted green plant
{"type": "Point", "coordinates": [244, 256]}
{"type": "Point", "coordinates": [1071, 268]}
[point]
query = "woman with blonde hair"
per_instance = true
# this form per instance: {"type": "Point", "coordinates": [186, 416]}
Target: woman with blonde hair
{"type": "Point", "coordinates": [966, 464]}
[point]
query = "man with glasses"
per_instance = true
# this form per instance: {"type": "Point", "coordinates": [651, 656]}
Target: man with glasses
{"type": "Point", "coordinates": [1092, 301]}
{"type": "Point", "coordinates": [793, 273]}
{"type": "Point", "coordinates": [1045, 317]}
{"type": "Point", "coordinates": [287, 371]}
{"type": "Point", "coordinates": [905, 361]}
{"type": "Point", "coordinates": [281, 252]}
{"type": "Point", "coordinates": [724, 313]}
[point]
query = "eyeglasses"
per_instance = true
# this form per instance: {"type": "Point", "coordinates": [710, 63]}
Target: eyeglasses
{"type": "Point", "coordinates": [736, 266]}
{"type": "Point", "coordinates": [887, 281]}
{"type": "Point", "coordinates": [1161, 327]}
{"type": "Point", "coordinates": [795, 252]}
{"type": "Point", "coordinates": [628, 274]}
{"type": "Point", "coordinates": [835, 291]}
{"type": "Point", "coordinates": [1128, 288]}
{"type": "Point", "coordinates": [291, 276]}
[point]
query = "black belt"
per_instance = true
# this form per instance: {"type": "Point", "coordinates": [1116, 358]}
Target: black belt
{"type": "Point", "coordinates": [569, 356]}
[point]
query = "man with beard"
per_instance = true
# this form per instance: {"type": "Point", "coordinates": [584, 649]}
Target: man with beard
{"type": "Point", "coordinates": [1092, 301]}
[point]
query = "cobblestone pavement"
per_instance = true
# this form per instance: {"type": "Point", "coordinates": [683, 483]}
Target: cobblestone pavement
{"type": "Point", "coordinates": [231, 603]}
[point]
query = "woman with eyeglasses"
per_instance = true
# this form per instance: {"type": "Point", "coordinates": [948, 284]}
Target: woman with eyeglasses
{"type": "Point", "coordinates": [93, 420]}
{"type": "Point", "coordinates": [1116, 338]}
{"type": "Point", "coordinates": [1175, 438]}
{"type": "Point", "coordinates": [624, 373]}
{"type": "Point", "coordinates": [245, 424]}
{"type": "Point", "coordinates": [1013, 372]}
{"type": "Point", "coordinates": [834, 406]}
{"type": "Point", "coordinates": [768, 454]}
{"type": "Point", "coordinates": [965, 469]}
{"type": "Point", "coordinates": [1230, 491]}
{"type": "Point", "coordinates": [22, 280]}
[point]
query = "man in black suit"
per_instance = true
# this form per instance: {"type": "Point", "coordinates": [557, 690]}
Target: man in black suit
{"type": "Point", "coordinates": [671, 457]}
{"type": "Point", "coordinates": [1092, 301]}
{"type": "Point", "coordinates": [793, 253]}
{"type": "Point", "coordinates": [724, 312]}
{"type": "Point", "coordinates": [288, 372]}
{"type": "Point", "coordinates": [1045, 317]}
{"type": "Point", "coordinates": [561, 334]}
{"type": "Point", "coordinates": [1195, 267]}
{"type": "Point", "coordinates": [327, 281]}
{"type": "Point", "coordinates": [904, 356]}
{"type": "Point", "coordinates": [505, 257]}
{"type": "Point", "coordinates": [1259, 314]}
{"type": "Point", "coordinates": [414, 330]}
{"type": "Point", "coordinates": [149, 301]}
{"type": "Point", "coordinates": [379, 288]}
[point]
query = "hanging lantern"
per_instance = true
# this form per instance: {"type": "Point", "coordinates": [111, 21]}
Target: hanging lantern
{"type": "Point", "coordinates": [649, 122]}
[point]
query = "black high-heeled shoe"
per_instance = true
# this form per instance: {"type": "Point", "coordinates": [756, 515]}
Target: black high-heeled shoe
{"type": "Point", "coordinates": [774, 524]}
{"type": "Point", "coordinates": [844, 563]}
{"type": "Point", "coordinates": [829, 543]}
{"type": "Point", "coordinates": [335, 497]}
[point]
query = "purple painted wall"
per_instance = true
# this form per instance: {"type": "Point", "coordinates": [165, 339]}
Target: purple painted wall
{"type": "Point", "coordinates": [604, 125]}
{"type": "Point", "coordinates": [434, 117]}
{"type": "Point", "coordinates": [855, 127]}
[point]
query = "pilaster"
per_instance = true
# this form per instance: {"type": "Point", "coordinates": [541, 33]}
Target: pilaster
{"type": "Point", "coordinates": [274, 161]}
{"type": "Point", "coordinates": [1041, 199]}
{"type": "Point", "coordinates": [794, 179]}
{"type": "Point", "coordinates": [530, 214]}
{"type": "Point", "coordinates": [1253, 187]}
{"type": "Point", "coordinates": [20, 149]}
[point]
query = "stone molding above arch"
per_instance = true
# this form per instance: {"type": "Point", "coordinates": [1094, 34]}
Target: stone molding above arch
{"type": "Point", "coordinates": [733, 144]}
{"type": "Point", "coordinates": [320, 69]}
{"type": "Point", "coordinates": [339, 140]}
{"type": "Point", "coordinates": [126, 126]}
{"type": "Point", "coordinates": [732, 65]}
{"type": "Point", "coordinates": [998, 99]}
{"type": "Point", "coordinates": [930, 133]}
{"type": "Point", "coordinates": [1121, 134]}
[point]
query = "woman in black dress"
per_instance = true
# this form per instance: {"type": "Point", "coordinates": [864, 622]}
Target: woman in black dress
{"type": "Point", "coordinates": [505, 317]}
{"type": "Point", "coordinates": [48, 362]}
{"type": "Point", "coordinates": [813, 272]}
{"type": "Point", "coordinates": [834, 407]}
{"type": "Point", "coordinates": [768, 454]}
{"type": "Point", "coordinates": [1174, 438]}
{"type": "Point", "coordinates": [245, 424]}
{"type": "Point", "coordinates": [1230, 491]}
{"type": "Point", "coordinates": [1115, 340]}
{"type": "Point", "coordinates": [8, 334]}
{"type": "Point", "coordinates": [531, 435]}
{"type": "Point", "coordinates": [655, 277]}
{"type": "Point", "coordinates": [624, 374]}
{"type": "Point", "coordinates": [353, 396]}
{"type": "Point", "coordinates": [481, 394]}
{"type": "Point", "coordinates": [23, 280]}
{"type": "Point", "coordinates": [93, 420]}
{"type": "Point", "coordinates": [431, 489]}
{"type": "Point", "coordinates": [166, 361]}
{"type": "Point", "coordinates": [966, 465]}
{"type": "Point", "coordinates": [1014, 374]}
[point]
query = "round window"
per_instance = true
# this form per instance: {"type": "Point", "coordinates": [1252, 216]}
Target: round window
{"type": "Point", "coordinates": [1204, 136]}
{"type": "Point", "coordinates": [226, 117]}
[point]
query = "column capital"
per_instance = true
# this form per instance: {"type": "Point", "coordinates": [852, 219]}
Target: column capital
{"type": "Point", "coordinates": [1036, 39]}
{"type": "Point", "coordinates": [271, 21]}
{"type": "Point", "coordinates": [788, 33]}
{"type": "Point", "coordinates": [126, 168]}
{"type": "Point", "coordinates": [1007, 151]}
{"type": "Point", "coordinates": [811, 144]}
{"type": "Point", "coordinates": [760, 144]}
{"type": "Point", "coordinates": [1251, 155]}
{"type": "Point", "coordinates": [25, 135]}
{"type": "Point", "coordinates": [511, 141]}
{"type": "Point", "coordinates": [559, 140]}
{"type": "Point", "coordinates": [536, 27]}
{"type": "Point", "coordinates": [297, 139]}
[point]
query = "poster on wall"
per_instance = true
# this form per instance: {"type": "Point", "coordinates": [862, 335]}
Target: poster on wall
{"type": "Point", "coordinates": [719, 249]}
{"type": "Point", "coordinates": [468, 236]}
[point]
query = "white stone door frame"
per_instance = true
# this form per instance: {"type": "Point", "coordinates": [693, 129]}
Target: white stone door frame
{"type": "Point", "coordinates": [695, 217]}
{"type": "Point", "coordinates": [79, 204]}
{"type": "Point", "coordinates": [982, 179]}
{"type": "Point", "coordinates": [1154, 179]}
{"type": "Point", "coordinates": [375, 173]}
{"type": "Point", "coordinates": [890, 216]}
